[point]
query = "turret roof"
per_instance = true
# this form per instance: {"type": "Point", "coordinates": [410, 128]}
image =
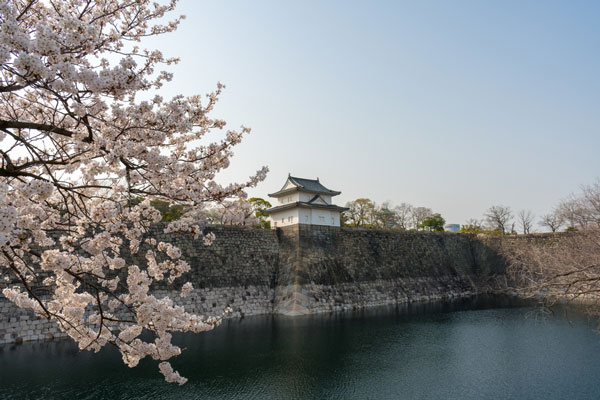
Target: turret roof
{"type": "Point", "coordinates": [305, 185]}
{"type": "Point", "coordinates": [304, 204]}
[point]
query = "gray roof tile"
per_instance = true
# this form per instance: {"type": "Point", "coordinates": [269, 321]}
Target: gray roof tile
{"type": "Point", "coordinates": [309, 185]}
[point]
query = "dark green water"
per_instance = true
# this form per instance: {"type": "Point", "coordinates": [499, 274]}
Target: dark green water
{"type": "Point", "coordinates": [464, 350]}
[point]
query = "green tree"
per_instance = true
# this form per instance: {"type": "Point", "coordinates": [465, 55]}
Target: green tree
{"type": "Point", "coordinates": [170, 212]}
{"type": "Point", "coordinates": [259, 205]}
{"type": "Point", "coordinates": [362, 212]}
{"type": "Point", "coordinates": [434, 223]}
{"type": "Point", "coordinates": [471, 228]}
{"type": "Point", "coordinates": [475, 227]}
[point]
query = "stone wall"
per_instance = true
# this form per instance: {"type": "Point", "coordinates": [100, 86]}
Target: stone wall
{"type": "Point", "coordinates": [302, 269]}
{"type": "Point", "coordinates": [238, 270]}
{"type": "Point", "coordinates": [333, 269]}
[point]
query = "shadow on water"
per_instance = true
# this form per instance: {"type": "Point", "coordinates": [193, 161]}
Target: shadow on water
{"type": "Point", "coordinates": [482, 347]}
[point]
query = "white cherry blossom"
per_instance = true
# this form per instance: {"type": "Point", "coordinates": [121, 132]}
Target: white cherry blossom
{"type": "Point", "coordinates": [79, 148]}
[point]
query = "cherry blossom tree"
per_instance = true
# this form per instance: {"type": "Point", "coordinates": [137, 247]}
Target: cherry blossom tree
{"type": "Point", "coordinates": [238, 212]}
{"type": "Point", "coordinates": [83, 132]}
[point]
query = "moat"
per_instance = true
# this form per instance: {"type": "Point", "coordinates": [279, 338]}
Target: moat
{"type": "Point", "coordinates": [470, 349]}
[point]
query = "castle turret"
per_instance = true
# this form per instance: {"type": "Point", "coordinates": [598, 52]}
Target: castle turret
{"type": "Point", "coordinates": [304, 201]}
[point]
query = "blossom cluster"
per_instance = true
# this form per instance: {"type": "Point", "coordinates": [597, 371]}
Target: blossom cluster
{"type": "Point", "coordinates": [82, 160]}
{"type": "Point", "coordinates": [237, 212]}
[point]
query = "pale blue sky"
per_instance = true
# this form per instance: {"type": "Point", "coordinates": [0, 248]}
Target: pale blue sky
{"type": "Point", "coordinates": [453, 105]}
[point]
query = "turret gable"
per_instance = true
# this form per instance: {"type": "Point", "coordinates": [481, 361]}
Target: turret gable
{"type": "Point", "coordinates": [317, 199]}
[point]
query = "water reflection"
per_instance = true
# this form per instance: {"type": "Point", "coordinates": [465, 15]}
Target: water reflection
{"type": "Point", "coordinates": [468, 349]}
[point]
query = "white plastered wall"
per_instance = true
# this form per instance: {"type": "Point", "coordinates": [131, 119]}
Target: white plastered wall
{"type": "Point", "coordinates": [284, 218]}
{"type": "Point", "coordinates": [300, 196]}
{"type": "Point", "coordinates": [305, 215]}
{"type": "Point", "coordinates": [301, 215]}
{"type": "Point", "coordinates": [325, 217]}
{"type": "Point", "coordinates": [289, 198]}
{"type": "Point", "coordinates": [305, 196]}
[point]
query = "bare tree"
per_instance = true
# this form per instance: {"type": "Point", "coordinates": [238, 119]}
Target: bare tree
{"type": "Point", "coordinates": [498, 217]}
{"type": "Point", "coordinates": [420, 214]}
{"type": "Point", "coordinates": [525, 219]}
{"type": "Point", "coordinates": [403, 215]}
{"type": "Point", "coordinates": [579, 211]}
{"type": "Point", "coordinates": [562, 267]}
{"type": "Point", "coordinates": [591, 202]}
{"type": "Point", "coordinates": [553, 220]}
{"type": "Point", "coordinates": [565, 268]}
{"type": "Point", "coordinates": [573, 212]}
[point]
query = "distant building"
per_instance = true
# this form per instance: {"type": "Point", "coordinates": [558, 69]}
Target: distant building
{"type": "Point", "coordinates": [304, 201]}
{"type": "Point", "coordinates": [452, 228]}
